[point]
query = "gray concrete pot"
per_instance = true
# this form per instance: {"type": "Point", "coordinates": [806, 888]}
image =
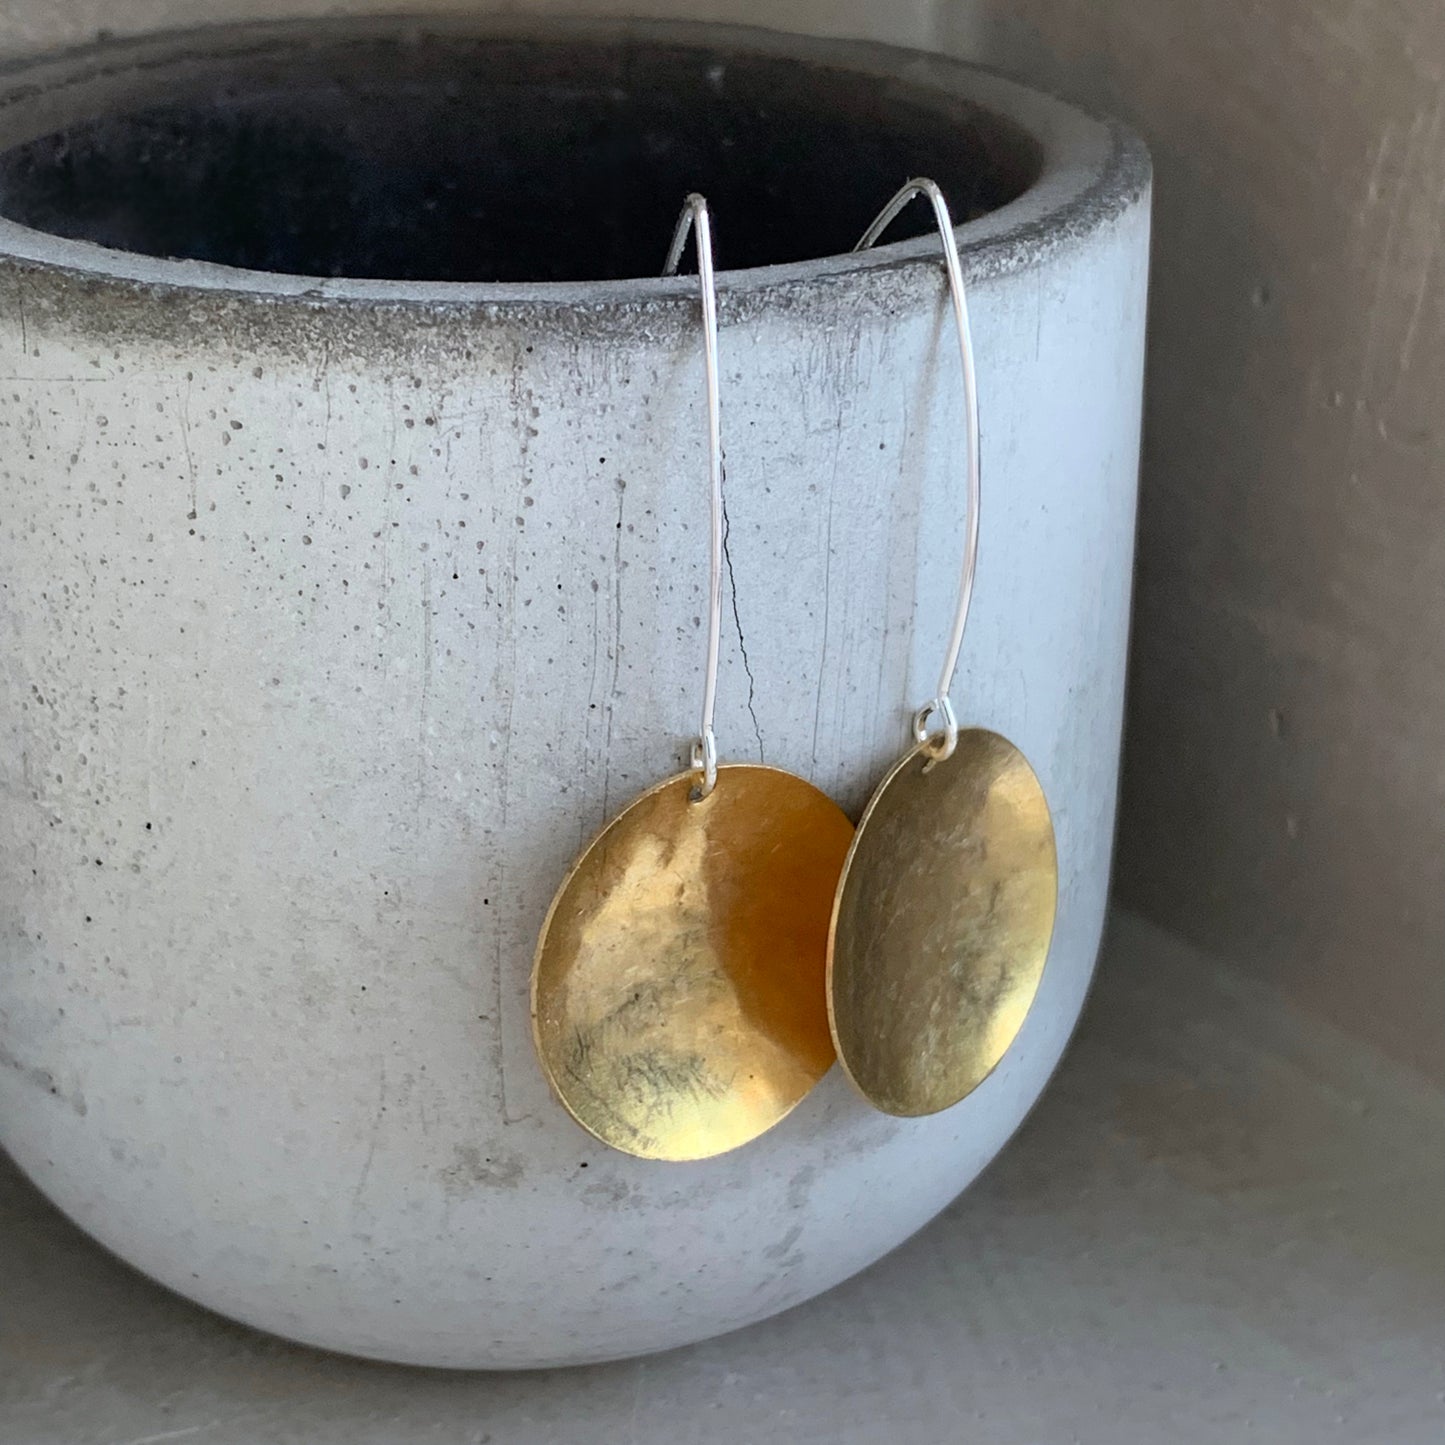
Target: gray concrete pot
{"type": "Point", "coordinates": [337, 612]}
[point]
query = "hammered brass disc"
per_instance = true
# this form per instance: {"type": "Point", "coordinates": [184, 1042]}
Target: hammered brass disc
{"type": "Point", "coordinates": [677, 994]}
{"type": "Point", "coordinates": [942, 924]}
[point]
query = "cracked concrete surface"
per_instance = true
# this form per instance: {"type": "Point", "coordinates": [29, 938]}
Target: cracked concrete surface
{"type": "Point", "coordinates": [305, 581]}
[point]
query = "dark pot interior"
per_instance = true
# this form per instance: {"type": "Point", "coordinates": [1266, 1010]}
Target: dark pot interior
{"type": "Point", "coordinates": [450, 157]}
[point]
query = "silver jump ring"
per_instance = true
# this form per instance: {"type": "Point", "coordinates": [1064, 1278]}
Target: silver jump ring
{"type": "Point", "coordinates": [940, 744]}
{"type": "Point", "coordinates": [704, 764]}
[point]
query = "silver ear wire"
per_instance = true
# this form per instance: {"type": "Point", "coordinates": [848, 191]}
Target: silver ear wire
{"type": "Point", "coordinates": [940, 707]}
{"type": "Point", "coordinates": [695, 218]}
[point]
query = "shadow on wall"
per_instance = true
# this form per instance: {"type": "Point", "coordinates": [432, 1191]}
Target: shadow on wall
{"type": "Point", "coordinates": [1285, 777]}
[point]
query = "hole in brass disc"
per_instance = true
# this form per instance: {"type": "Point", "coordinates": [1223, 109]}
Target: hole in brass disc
{"type": "Point", "coordinates": [677, 997]}
{"type": "Point", "coordinates": [942, 924]}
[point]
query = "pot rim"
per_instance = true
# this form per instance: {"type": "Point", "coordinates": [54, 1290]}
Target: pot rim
{"type": "Point", "coordinates": [1092, 170]}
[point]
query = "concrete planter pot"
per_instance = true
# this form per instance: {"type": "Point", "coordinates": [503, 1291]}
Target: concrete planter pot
{"type": "Point", "coordinates": [337, 613]}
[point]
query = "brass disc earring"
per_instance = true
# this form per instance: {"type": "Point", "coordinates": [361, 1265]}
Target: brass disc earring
{"type": "Point", "coordinates": [945, 909]}
{"type": "Point", "coordinates": [677, 992]}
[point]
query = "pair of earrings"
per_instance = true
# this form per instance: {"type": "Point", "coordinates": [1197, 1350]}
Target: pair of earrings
{"type": "Point", "coordinates": [730, 933]}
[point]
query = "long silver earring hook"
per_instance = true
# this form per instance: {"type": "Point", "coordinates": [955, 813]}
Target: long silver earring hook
{"type": "Point", "coordinates": [941, 707]}
{"type": "Point", "coordinates": [695, 218]}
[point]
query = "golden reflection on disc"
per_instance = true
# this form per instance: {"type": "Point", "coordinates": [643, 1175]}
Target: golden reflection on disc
{"type": "Point", "coordinates": [942, 924]}
{"type": "Point", "coordinates": [677, 994]}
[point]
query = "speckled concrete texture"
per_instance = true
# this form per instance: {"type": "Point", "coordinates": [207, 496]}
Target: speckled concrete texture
{"type": "Point", "coordinates": [337, 613]}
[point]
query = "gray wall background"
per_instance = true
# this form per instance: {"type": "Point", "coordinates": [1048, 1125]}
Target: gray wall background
{"type": "Point", "coordinates": [1284, 795]}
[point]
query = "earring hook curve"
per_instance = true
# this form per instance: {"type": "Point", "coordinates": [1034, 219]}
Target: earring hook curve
{"type": "Point", "coordinates": [695, 219]}
{"type": "Point", "coordinates": [940, 706]}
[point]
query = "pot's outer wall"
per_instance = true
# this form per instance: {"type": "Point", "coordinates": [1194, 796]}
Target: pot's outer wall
{"type": "Point", "coordinates": [332, 628]}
